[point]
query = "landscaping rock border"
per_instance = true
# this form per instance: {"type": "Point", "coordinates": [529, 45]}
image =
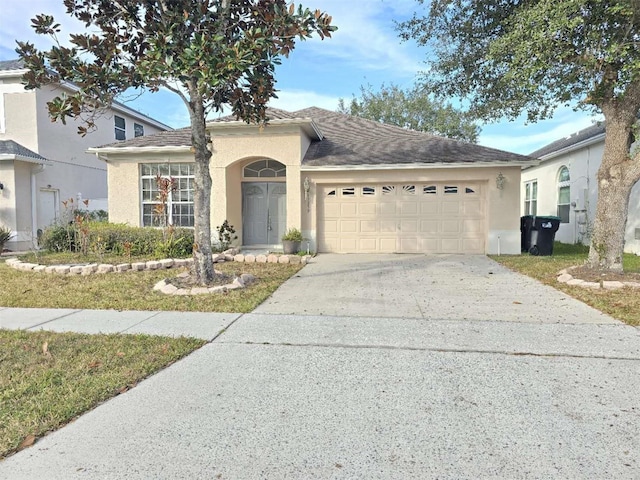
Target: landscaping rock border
{"type": "Point", "coordinates": [167, 263]}
{"type": "Point", "coordinates": [565, 277]}
{"type": "Point", "coordinates": [163, 286]}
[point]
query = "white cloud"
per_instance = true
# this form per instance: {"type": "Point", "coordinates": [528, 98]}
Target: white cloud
{"type": "Point", "coordinates": [366, 35]}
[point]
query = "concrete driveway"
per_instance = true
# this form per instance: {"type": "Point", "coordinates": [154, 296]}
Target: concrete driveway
{"type": "Point", "coordinates": [436, 287]}
{"type": "Point", "coordinates": [383, 378]}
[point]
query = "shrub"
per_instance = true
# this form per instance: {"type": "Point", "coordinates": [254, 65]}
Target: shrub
{"type": "Point", "coordinates": [293, 235]}
{"type": "Point", "coordinates": [5, 236]}
{"type": "Point", "coordinates": [226, 236]}
{"type": "Point", "coordinates": [119, 239]}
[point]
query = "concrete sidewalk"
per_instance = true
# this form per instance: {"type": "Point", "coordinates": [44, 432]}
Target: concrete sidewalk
{"type": "Point", "coordinates": [174, 324]}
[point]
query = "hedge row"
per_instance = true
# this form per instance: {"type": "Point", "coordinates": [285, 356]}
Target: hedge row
{"type": "Point", "coordinates": [118, 239]}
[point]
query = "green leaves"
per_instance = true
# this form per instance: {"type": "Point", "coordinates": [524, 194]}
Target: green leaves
{"type": "Point", "coordinates": [415, 109]}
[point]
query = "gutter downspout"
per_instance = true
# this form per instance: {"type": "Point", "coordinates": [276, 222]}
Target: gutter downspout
{"type": "Point", "coordinates": [34, 204]}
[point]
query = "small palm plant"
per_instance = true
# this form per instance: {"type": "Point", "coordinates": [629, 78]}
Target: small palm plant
{"type": "Point", "coordinates": [5, 236]}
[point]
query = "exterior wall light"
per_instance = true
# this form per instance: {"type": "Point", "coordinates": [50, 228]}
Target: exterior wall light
{"type": "Point", "coordinates": [500, 180]}
{"type": "Point", "coordinates": [1, 186]}
{"type": "Point", "coordinates": [307, 187]}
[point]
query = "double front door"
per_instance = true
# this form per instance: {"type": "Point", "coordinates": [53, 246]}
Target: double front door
{"type": "Point", "coordinates": [264, 212]}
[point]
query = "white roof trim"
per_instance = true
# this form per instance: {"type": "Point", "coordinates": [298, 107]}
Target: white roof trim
{"type": "Point", "coordinates": [13, 73]}
{"type": "Point", "coordinates": [575, 146]}
{"type": "Point", "coordinates": [411, 166]}
{"type": "Point", "coordinates": [23, 158]}
{"type": "Point", "coordinates": [165, 149]}
{"type": "Point", "coordinates": [307, 124]}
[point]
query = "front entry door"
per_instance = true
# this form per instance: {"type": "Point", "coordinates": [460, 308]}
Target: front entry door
{"type": "Point", "coordinates": [264, 212]}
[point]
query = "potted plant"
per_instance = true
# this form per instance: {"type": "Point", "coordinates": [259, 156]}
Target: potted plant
{"type": "Point", "coordinates": [291, 241]}
{"type": "Point", "coordinates": [5, 236]}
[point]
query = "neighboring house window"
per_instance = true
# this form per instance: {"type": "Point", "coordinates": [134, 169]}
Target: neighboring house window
{"type": "Point", "coordinates": [179, 211]}
{"type": "Point", "coordinates": [138, 130]}
{"type": "Point", "coordinates": [531, 198]}
{"type": "Point", "coordinates": [120, 128]}
{"type": "Point", "coordinates": [564, 194]}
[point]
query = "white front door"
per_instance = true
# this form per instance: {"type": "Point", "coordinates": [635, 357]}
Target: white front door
{"type": "Point", "coordinates": [48, 209]}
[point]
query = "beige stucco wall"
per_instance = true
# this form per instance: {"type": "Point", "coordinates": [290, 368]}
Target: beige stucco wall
{"type": "Point", "coordinates": [502, 208]}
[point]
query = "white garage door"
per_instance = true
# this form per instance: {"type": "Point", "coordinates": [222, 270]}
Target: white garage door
{"type": "Point", "coordinates": [403, 218]}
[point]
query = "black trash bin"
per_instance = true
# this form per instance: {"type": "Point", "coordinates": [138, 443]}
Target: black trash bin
{"type": "Point", "coordinates": [526, 222]}
{"type": "Point", "coordinates": [543, 233]}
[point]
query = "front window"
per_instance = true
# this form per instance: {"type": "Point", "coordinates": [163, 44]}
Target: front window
{"type": "Point", "coordinates": [564, 194]}
{"type": "Point", "coordinates": [531, 198]}
{"type": "Point", "coordinates": [167, 194]}
{"type": "Point", "coordinates": [120, 128]}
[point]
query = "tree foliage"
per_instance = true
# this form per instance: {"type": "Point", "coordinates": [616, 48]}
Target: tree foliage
{"type": "Point", "coordinates": [414, 109]}
{"type": "Point", "coordinates": [211, 53]}
{"type": "Point", "coordinates": [514, 56]}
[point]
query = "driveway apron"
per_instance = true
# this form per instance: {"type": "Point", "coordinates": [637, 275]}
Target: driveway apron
{"type": "Point", "coordinates": [432, 287]}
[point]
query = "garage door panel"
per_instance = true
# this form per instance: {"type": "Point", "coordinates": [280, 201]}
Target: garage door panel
{"type": "Point", "coordinates": [367, 209]}
{"type": "Point", "coordinates": [387, 208]}
{"type": "Point", "coordinates": [450, 226]}
{"type": "Point", "coordinates": [408, 208]}
{"type": "Point", "coordinates": [409, 245]}
{"type": "Point", "coordinates": [404, 217]}
{"type": "Point", "coordinates": [368, 226]}
{"type": "Point", "coordinates": [387, 226]}
{"type": "Point", "coordinates": [451, 208]}
{"type": "Point", "coordinates": [388, 245]}
{"type": "Point", "coordinates": [429, 208]}
{"type": "Point", "coordinates": [472, 226]}
{"type": "Point", "coordinates": [348, 209]}
{"type": "Point", "coordinates": [348, 226]}
{"type": "Point", "coordinates": [429, 226]}
{"type": "Point", "coordinates": [368, 245]}
{"type": "Point", "coordinates": [472, 208]}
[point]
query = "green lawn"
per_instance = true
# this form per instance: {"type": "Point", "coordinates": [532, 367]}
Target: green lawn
{"type": "Point", "coordinates": [623, 304]}
{"type": "Point", "coordinates": [133, 290]}
{"type": "Point", "coordinates": [47, 379]}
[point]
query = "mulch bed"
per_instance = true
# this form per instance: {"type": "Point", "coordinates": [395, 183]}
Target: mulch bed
{"type": "Point", "coordinates": [595, 275]}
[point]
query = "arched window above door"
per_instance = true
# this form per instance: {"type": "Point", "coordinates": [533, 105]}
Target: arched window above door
{"type": "Point", "coordinates": [265, 169]}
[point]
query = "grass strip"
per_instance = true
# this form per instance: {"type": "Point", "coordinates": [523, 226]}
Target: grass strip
{"type": "Point", "coordinates": [47, 379]}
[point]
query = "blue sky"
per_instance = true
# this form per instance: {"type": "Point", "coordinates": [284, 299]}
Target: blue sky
{"type": "Point", "coordinates": [364, 51]}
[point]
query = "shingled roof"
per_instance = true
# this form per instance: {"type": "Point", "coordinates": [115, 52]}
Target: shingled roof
{"type": "Point", "coordinates": [9, 148]}
{"type": "Point", "coordinates": [574, 139]}
{"type": "Point", "coordinates": [349, 140]}
{"type": "Point", "coordinates": [17, 64]}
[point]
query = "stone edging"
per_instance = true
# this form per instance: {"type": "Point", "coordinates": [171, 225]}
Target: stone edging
{"type": "Point", "coordinates": [166, 263]}
{"type": "Point", "coordinates": [163, 286]}
{"type": "Point", "coordinates": [565, 277]}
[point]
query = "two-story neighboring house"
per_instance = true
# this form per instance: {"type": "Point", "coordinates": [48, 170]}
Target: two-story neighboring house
{"type": "Point", "coordinates": [44, 163]}
{"type": "Point", "coordinates": [565, 184]}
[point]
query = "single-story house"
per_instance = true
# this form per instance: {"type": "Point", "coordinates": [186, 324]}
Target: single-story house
{"type": "Point", "coordinates": [565, 184]}
{"type": "Point", "coordinates": [351, 185]}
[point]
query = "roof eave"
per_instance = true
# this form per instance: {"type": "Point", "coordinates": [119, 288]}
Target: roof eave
{"type": "Point", "coordinates": [413, 166]}
{"type": "Point", "coordinates": [24, 158]}
{"type": "Point", "coordinates": [121, 150]}
{"type": "Point", "coordinates": [575, 146]}
{"type": "Point", "coordinates": [13, 73]}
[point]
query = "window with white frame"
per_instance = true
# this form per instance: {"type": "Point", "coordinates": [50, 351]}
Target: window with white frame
{"type": "Point", "coordinates": [531, 198]}
{"type": "Point", "coordinates": [120, 128]}
{"type": "Point", "coordinates": [564, 194]}
{"type": "Point", "coordinates": [178, 208]}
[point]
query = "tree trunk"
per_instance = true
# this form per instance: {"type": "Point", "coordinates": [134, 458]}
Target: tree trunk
{"type": "Point", "coordinates": [203, 271]}
{"type": "Point", "coordinates": [617, 175]}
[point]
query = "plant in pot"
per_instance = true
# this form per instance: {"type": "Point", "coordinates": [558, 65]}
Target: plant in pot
{"type": "Point", "coordinates": [291, 241]}
{"type": "Point", "coordinates": [5, 236]}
